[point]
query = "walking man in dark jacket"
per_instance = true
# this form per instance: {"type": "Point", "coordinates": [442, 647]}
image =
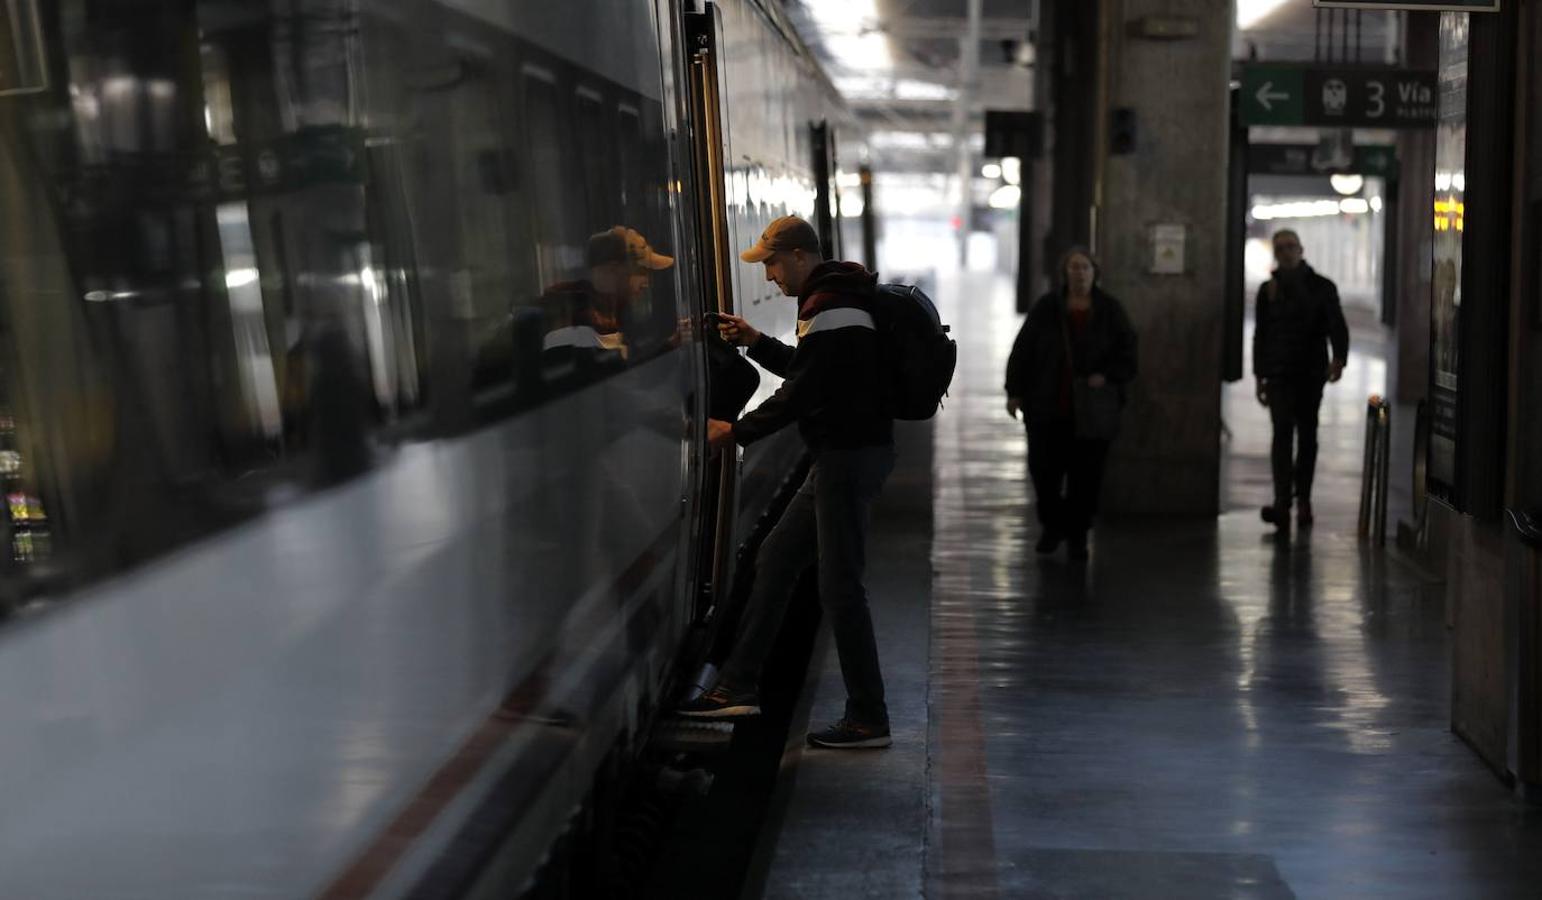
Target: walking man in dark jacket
{"type": "Point", "coordinates": [1298, 316]}
{"type": "Point", "coordinates": [832, 392]}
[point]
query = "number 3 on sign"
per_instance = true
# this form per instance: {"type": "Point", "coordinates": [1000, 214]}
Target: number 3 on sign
{"type": "Point", "coordinates": [1378, 105]}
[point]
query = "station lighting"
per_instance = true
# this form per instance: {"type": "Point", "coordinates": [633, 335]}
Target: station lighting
{"type": "Point", "coordinates": [1450, 214]}
{"type": "Point", "coordinates": [1348, 185]}
{"type": "Point", "coordinates": [1251, 12]}
{"type": "Point", "coordinates": [911, 140]}
{"type": "Point", "coordinates": [240, 277]}
{"type": "Point", "coordinates": [1376, 204]}
{"type": "Point", "coordinates": [990, 170]}
{"type": "Point", "coordinates": [849, 30]}
{"type": "Point", "coordinates": [876, 87]}
{"type": "Point", "coordinates": [912, 89]}
{"type": "Point", "coordinates": [1301, 209]}
{"type": "Point", "coordinates": [1354, 206]}
{"type": "Point", "coordinates": [1012, 169]}
{"type": "Point", "coordinates": [1008, 196]}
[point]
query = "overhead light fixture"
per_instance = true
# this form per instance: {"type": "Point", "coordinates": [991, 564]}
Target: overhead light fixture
{"type": "Point", "coordinates": [1354, 206]}
{"type": "Point", "coordinates": [1300, 209]}
{"type": "Point", "coordinates": [1008, 196]}
{"type": "Point", "coordinates": [1012, 169]}
{"type": "Point", "coordinates": [1251, 12]}
{"type": "Point", "coordinates": [990, 170]}
{"type": "Point", "coordinates": [1348, 185]}
{"type": "Point", "coordinates": [913, 89]}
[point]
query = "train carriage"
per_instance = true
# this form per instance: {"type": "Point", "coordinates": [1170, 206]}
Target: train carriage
{"type": "Point", "coordinates": [359, 520]}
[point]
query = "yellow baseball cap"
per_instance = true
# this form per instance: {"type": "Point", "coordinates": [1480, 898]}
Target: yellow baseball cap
{"type": "Point", "coordinates": [626, 245]}
{"type": "Point", "coordinates": [786, 233]}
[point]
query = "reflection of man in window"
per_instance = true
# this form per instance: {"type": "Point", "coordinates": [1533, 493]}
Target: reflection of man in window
{"type": "Point", "coordinates": [588, 321]}
{"type": "Point", "coordinates": [620, 262]}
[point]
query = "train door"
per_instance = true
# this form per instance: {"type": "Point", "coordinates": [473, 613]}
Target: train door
{"type": "Point", "coordinates": [708, 145]}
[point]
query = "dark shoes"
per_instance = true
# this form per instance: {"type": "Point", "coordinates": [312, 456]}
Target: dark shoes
{"type": "Point", "coordinates": [1278, 515]}
{"type": "Point", "coordinates": [848, 735]}
{"type": "Point", "coordinates": [722, 702]}
{"type": "Point", "coordinates": [1076, 544]}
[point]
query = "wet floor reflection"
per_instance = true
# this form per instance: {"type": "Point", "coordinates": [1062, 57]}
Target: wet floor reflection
{"type": "Point", "coordinates": [1205, 710]}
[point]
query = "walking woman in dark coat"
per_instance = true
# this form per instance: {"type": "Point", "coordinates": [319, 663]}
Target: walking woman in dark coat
{"type": "Point", "coordinates": [1066, 457]}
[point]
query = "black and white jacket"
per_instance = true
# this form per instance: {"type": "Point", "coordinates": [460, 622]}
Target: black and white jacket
{"type": "Point", "coordinates": [832, 387]}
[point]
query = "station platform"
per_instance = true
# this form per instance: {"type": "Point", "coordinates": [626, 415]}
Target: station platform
{"type": "Point", "coordinates": [1202, 711]}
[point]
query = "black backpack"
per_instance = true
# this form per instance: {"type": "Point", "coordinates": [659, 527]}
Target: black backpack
{"type": "Point", "coordinates": [915, 351]}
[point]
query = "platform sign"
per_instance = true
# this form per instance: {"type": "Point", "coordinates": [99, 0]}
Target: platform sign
{"type": "Point", "coordinates": [1338, 97]}
{"type": "Point", "coordinates": [1376, 161]}
{"type": "Point", "coordinates": [1413, 5]}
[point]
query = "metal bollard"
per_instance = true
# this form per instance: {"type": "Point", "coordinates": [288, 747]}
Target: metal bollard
{"type": "Point", "coordinates": [1384, 475]}
{"type": "Point", "coordinates": [1375, 470]}
{"type": "Point", "coordinates": [1368, 469]}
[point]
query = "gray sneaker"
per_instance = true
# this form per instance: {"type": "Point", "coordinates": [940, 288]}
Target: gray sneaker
{"type": "Point", "coordinates": [848, 735]}
{"type": "Point", "coordinates": [722, 702]}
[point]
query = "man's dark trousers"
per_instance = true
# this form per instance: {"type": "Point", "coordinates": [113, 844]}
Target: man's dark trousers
{"type": "Point", "coordinates": [1293, 405]}
{"type": "Point", "coordinates": [825, 523]}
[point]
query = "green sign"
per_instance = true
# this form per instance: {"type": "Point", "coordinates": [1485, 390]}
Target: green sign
{"type": "Point", "coordinates": [1311, 159]}
{"type": "Point", "coordinates": [1273, 95]}
{"type": "Point", "coordinates": [1343, 97]}
{"type": "Point", "coordinates": [1413, 5]}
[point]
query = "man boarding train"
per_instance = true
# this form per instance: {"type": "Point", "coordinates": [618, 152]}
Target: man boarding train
{"type": "Point", "coordinates": [833, 390]}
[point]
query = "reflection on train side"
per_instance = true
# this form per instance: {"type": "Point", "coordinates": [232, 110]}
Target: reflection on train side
{"type": "Point", "coordinates": [247, 249]}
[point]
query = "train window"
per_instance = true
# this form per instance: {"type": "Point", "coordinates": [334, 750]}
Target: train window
{"type": "Point", "coordinates": [597, 150]}
{"type": "Point", "coordinates": [605, 301]}
{"type": "Point", "coordinates": [631, 164]}
{"type": "Point", "coordinates": [235, 277]}
{"type": "Point", "coordinates": [550, 193]}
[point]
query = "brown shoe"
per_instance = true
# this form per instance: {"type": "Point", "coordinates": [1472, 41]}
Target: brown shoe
{"type": "Point", "coordinates": [1304, 512]}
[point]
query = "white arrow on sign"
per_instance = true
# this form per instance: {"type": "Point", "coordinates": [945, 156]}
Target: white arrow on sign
{"type": "Point", "coordinates": [1265, 95]}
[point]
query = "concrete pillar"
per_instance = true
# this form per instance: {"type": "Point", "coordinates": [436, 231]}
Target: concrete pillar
{"type": "Point", "coordinates": [1410, 366]}
{"type": "Point", "coordinates": [1167, 461]}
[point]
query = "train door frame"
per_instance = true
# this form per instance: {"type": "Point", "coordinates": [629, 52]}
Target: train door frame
{"type": "Point", "coordinates": [708, 140]}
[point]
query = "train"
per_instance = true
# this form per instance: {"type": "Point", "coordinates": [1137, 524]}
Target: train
{"type": "Point", "coordinates": [353, 385]}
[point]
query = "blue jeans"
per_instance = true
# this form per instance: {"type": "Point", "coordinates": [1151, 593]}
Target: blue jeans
{"type": "Point", "coordinates": [825, 523]}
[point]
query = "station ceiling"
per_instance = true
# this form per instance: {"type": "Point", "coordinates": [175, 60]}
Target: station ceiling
{"type": "Point", "coordinates": [900, 63]}
{"type": "Point", "coordinates": [1295, 31]}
